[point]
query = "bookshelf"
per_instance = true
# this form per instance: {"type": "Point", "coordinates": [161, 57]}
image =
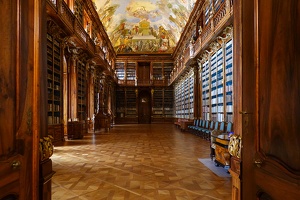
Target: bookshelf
{"type": "Point", "coordinates": [168, 103]}
{"type": "Point", "coordinates": [217, 85]}
{"type": "Point", "coordinates": [205, 91]}
{"type": "Point", "coordinates": [214, 90]}
{"type": "Point", "coordinates": [120, 72]}
{"type": "Point", "coordinates": [120, 102]}
{"type": "Point", "coordinates": [157, 71]}
{"type": "Point", "coordinates": [54, 88]}
{"type": "Point", "coordinates": [191, 95]}
{"type": "Point", "coordinates": [168, 67]}
{"type": "Point", "coordinates": [130, 73]}
{"type": "Point", "coordinates": [131, 105]}
{"type": "Point", "coordinates": [220, 86]}
{"type": "Point", "coordinates": [78, 10]}
{"type": "Point", "coordinates": [81, 91]}
{"type": "Point", "coordinates": [54, 80]}
{"type": "Point", "coordinates": [229, 81]}
{"type": "Point", "coordinates": [184, 96]}
{"type": "Point", "coordinates": [96, 92]}
{"type": "Point", "coordinates": [157, 103]}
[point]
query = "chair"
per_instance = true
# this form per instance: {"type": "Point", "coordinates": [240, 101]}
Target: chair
{"type": "Point", "coordinates": [206, 133]}
{"type": "Point", "coordinates": [201, 129]}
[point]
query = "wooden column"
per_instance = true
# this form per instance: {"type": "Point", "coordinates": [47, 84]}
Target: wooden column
{"type": "Point", "coordinates": [91, 96]}
{"type": "Point", "coordinates": [23, 99]}
{"type": "Point", "coordinates": [196, 90]}
{"type": "Point", "coordinates": [73, 86]}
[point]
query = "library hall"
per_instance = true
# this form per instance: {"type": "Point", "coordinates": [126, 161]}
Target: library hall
{"type": "Point", "coordinates": [149, 100]}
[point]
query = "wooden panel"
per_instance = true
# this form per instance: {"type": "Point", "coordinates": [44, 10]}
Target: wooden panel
{"type": "Point", "coordinates": [143, 74]}
{"type": "Point", "coordinates": [267, 91]}
{"type": "Point", "coordinates": [278, 96]}
{"type": "Point", "coordinates": [22, 108]}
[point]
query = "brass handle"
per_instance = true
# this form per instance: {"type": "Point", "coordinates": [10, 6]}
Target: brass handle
{"type": "Point", "coordinates": [258, 163]}
{"type": "Point", "coordinates": [244, 113]}
{"type": "Point", "coordinates": [15, 164]}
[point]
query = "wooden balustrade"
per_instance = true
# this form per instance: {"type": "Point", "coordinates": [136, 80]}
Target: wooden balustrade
{"type": "Point", "coordinates": [79, 31]}
{"type": "Point", "coordinates": [67, 15]}
{"type": "Point", "coordinates": [68, 18]}
{"type": "Point", "coordinates": [214, 25]}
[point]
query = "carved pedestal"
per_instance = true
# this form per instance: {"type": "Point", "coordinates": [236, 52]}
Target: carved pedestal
{"type": "Point", "coordinates": [46, 174]}
{"type": "Point", "coordinates": [236, 182]}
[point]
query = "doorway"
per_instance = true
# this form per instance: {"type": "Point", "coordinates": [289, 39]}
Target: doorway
{"type": "Point", "coordinates": [144, 107]}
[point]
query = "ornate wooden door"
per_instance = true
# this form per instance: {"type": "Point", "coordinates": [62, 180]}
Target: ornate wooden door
{"type": "Point", "coordinates": [269, 108]}
{"type": "Point", "coordinates": [277, 59]}
{"type": "Point", "coordinates": [20, 98]}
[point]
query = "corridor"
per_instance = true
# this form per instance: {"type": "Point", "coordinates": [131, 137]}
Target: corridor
{"type": "Point", "coordinates": [136, 161]}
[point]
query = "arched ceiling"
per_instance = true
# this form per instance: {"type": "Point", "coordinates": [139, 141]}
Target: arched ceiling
{"type": "Point", "coordinates": [144, 26]}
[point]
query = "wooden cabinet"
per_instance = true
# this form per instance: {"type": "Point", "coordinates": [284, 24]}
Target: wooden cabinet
{"type": "Point", "coordinates": [76, 130]}
{"type": "Point", "coordinates": [57, 132]}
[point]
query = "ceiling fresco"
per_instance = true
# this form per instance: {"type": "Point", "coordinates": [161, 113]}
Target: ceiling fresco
{"type": "Point", "coordinates": [144, 26]}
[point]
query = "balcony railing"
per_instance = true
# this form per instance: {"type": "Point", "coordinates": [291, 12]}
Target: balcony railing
{"type": "Point", "coordinates": [215, 23]}
{"type": "Point", "coordinates": [68, 18]}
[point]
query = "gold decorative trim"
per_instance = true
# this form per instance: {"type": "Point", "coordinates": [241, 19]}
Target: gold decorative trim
{"type": "Point", "coordinates": [235, 146]}
{"type": "Point", "coordinates": [46, 147]}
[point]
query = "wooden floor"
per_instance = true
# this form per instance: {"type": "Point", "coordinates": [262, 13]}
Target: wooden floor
{"type": "Point", "coordinates": [136, 162]}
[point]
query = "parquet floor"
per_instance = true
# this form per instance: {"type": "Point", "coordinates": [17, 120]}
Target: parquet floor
{"type": "Point", "coordinates": [136, 161]}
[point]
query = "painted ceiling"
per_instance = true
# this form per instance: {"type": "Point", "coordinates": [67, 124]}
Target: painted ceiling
{"type": "Point", "coordinates": [144, 26]}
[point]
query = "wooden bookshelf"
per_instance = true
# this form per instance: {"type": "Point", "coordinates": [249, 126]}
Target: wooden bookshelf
{"type": "Point", "coordinates": [130, 73]}
{"type": "Point", "coordinates": [120, 72]}
{"type": "Point", "coordinates": [157, 104]}
{"type": "Point", "coordinates": [167, 69]}
{"type": "Point", "coordinates": [205, 91]}
{"type": "Point", "coordinates": [131, 104]}
{"type": "Point", "coordinates": [78, 10]}
{"type": "Point", "coordinates": [81, 92]}
{"type": "Point", "coordinates": [228, 101]}
{"type": "Point", "coordinates": [217, 85]}
{"type": "Point", "coordinates": [184, 96]}
{"type": "Point", "coordinates": [54, 81]}
{"type": "Point", "coordinates": [168, 104]}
